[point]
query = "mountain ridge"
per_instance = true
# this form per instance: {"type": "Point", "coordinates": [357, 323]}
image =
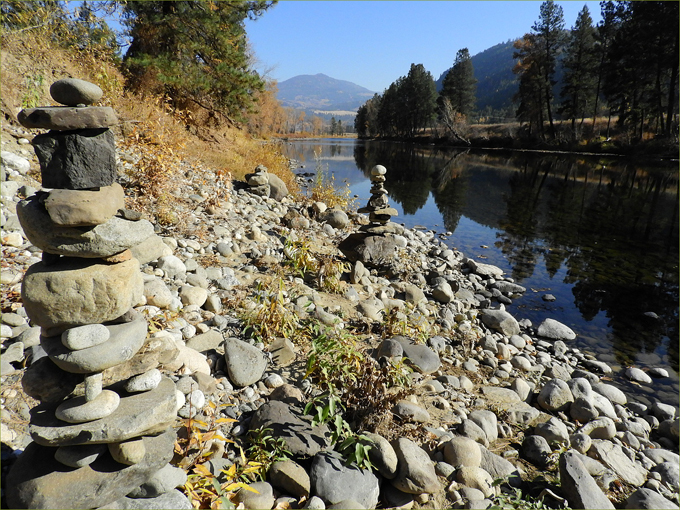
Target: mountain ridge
{"type": "Point", "coordinates": [321, 92]}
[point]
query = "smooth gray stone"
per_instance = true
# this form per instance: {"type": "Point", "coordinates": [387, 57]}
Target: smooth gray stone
{"type": "Point", "coordinates": [470, 429]}
{"type": "Point", "coordinates": [152, 248]}
{"type": "Point", "coordinates": [74, 91]}
{"type": "Point", "coordinates": [293, 426]}
{"type": "Point", "coordinates": [346, 504]}
{"type": "Point", "coordinates": [647, 499]}
{"type": "Point", "coordinates": [553, 430]}
{"type": "Point", "coordinates": [277, 188]}
{"type": "Point", "coordinates": [578, 486]}
{"type": "Point", "coordinates": [74, 292]}
{"type": "Point", "coordinates": [145, 413]}
{"type": "Point", "coordinates": [173, 499]}
{"type": "Point", "coordinates": [39, 481]}
{"type": "Point", "coordinates": [262, 496]}
{"type": "Point", "coordinates": [498, 467]}
{"type": "Point", "coordinates": [419, 355]}
{"type": "Point", "coordinates": [66, 118]}
{"type": "Point", "coordinates": [99, 241]}
{"type": "Point", "coordinates": [79, 410]}
{"type": "Point", "coordinates": [81, 159]}
{"type": "Point", "coordinates": [410, 411]}
{"type": "Point", "coordinates": [550, 328]}
{"type": "Point", "coordinates": [501, 321]}
{"type": "Point", "coordinates": [601, 428]}
{"type": "Point", "coordinates": [536, 450]}
{"type": "Point", "coordinates": [144, 382]}
{"type": "Point", "coordinates": [670, 473]}
{"type": "Point", "coordinates": [335, 218]}
{"type": "Point", "coordinates": [79, 455]}
{"type": "Point", "coordinates": [415, 470]}
{"type": "Point", "coordinates": [290, 478]}
{"type": "Point", "coordinates": [555, 396]}
{"type": "Point", "coordinates": [334, 481]}
{"type": "Point", "coordinates": [487, 421]}
{"type": "Point", "coordinates": [245, 363]}
{"type": "Point", "coordinates": [164, 480]}
{"type": "Point", "coordinates": [282, 351]}
{"type": "Point", "coordinates": [462, 451]}
{"type": "Point", "coordinates": [382, 455]}
{"type": "Point", "coordinates": [82, 337]}
{"type": "Point", "coordinates": [206, 341]}
{"type": "Point", "coordinates": [125, 340]}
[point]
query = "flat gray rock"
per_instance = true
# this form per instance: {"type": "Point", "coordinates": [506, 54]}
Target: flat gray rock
{"type": "Point", "coordinates": [334, 481]}
{"type": "Point", "coordinates": [419, 355]}
{"type": "Point", "coordinates": [293, 426]}
{"type": "Point", "coordinates": [382, 455]}
{"type": "Point", "coordinates": [99, 241]}
{"type": "Point", "coordinates": [612, 456]}
{"type": "Point", "coordinates": [173, 499]}
{"type": "Point", "coordinates": [145, 413]}
{"type": "Point", "coordinates": [410, 411]}
{"type": "Point", "coordinates": [580, 489]}
{"type": "Point", "coordinates": [498, 467]}
{"type": "Point", "coordinates": [261, 496]}
{"type": "Point", "coordinates": [66, 118]}
{"type": "Point", "coordinates": [124, 342]}
{"type": "Point", "coordinates": [39, 481]}
{"type": "Point", "coordinates": [555, 396]}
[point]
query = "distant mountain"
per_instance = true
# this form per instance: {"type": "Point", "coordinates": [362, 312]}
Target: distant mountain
{"type": "Point", "coordinates": [496, 83]}
{"type": "Point", "coordinates": [322, 93]}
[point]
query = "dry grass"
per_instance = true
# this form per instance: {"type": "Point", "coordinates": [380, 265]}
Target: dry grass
{"type": "Point", "coordinates": [165, 137]}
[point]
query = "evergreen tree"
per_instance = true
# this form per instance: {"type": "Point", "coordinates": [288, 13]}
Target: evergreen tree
{"type": "Point", "coordinates": [459, 85]}
{"type": "Point", "coordinates": [549, 36]}
{"type": "Point", "coordinates": [195, 51]}
{"type": "Point", "coordinates": [530, 91]}
{"type": "Point", "coordinates": [580, 63]}
{"type": "Point", "coordinates": [418, 99]}
{"type": "Point", "coordinates": [366, 120]}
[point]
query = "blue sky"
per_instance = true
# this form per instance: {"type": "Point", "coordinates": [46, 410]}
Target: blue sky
{"type": "Point", "coordinates": [372, 43]}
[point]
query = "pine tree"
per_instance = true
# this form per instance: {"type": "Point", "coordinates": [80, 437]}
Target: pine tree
{"type": "Point", "coordinates": [549, 36]}
{"type": "Point", "coordinates": [459, 85]}
{"type": "Point", "coordinates": [530, 91]}
{"type": "Point", "coordinates": [418, 99]}
{"type": "Point", "coordinates": [195, 52]}
{"type": "Point", "coordinates": [580, 63]}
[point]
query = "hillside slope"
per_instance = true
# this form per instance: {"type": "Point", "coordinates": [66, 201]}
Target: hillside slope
{"type": "Point", "coordinates": [321, 92]}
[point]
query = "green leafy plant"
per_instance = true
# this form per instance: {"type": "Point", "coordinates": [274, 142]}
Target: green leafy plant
{"type": "Point", "coordinates": [329, 272]}
{"type": "Point", "coordinates": [265, 449]}
{"type": "Point", "coordinates": [354, 448]}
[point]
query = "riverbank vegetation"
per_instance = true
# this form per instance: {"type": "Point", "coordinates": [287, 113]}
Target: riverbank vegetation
{"type": "Point", "coordinates": [618, 89]}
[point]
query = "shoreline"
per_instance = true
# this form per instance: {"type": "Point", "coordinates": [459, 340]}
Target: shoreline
{"type": "Point", "coordinates": [473, 361]}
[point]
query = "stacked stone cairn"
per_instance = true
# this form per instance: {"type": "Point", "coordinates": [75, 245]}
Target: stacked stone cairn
{"type": "Point", "coordinates": [264, 184]}
{"type": "Point", "coordinates": [96, 437]}
{"type": "Point", "coordinates": [376, 243]}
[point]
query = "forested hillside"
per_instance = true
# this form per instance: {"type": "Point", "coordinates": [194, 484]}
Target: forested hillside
{"type": "Point", "coordinates": [565, 85]}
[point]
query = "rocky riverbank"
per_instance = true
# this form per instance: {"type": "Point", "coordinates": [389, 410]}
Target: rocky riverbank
{"type": "Point", "coordinates": [491, 396]}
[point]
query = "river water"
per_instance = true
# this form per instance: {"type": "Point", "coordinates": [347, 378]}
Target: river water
{"type": "Point", "coordinates": [599, 234]}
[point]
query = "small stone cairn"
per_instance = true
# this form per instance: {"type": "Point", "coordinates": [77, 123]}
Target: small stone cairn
{"type": "Point", "coordinates": [99, 434]}
{"type": "Point", "coordinates": [375, 244]}
{"type": "Point", "coordinates": [378, 209]}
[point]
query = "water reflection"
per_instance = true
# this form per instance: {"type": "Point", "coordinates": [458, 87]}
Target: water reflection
{"type": "Point", "coordinates": [602, 235]}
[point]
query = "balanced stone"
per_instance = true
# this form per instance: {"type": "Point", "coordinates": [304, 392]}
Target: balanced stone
{"type": "Point", "coordinates": [79, 410]}
{"type": "Point", "coordinates": [66, 118]}
{"type": "Point", "coordinates": [103, 240]}
{"type": "Point", "coordinates": [79, 455]}
{"type": "Point", "coordinates": [124, 342]}
{"type": "Point", "coordinates": [128, 452]}
{"type": "Point", "coordinates": [378, 170]}
{"type": "Point", "coordinates": [144, 382]}
{"type": "Point", "coordinates": [81, 159]}
{"type": "Point", "coordinates": [93, 386]}
{"type": "Point", "coordinates": [145, 413]}
{"type": "Point", "coordinates": [72, 92]}
{"type": "Point", "coordinates": [40, 481]}
{"type": "Point", "coordinates": [74, 292]}
{"type": "Point", "coordinates": [80, 208]}
{"type": "Point", "coordinates": [82, 337]}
